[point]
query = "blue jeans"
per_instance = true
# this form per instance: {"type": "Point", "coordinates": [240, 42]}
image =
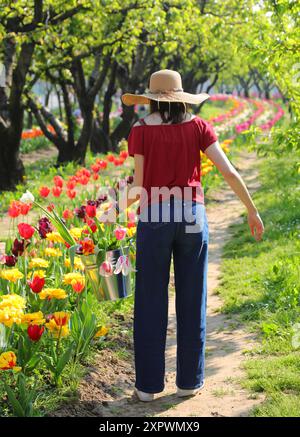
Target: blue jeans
{"type": "Point", "coordinates": [156, 242]}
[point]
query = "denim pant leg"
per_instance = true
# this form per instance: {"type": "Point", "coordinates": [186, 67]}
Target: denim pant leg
{"type": "Point", "coordinates": [153, 258]}
{"type": "Point", "coordinates": [190, 268]}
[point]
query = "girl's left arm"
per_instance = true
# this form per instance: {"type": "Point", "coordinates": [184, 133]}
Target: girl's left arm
{"type": "Point", "coordinates": [215, 153]}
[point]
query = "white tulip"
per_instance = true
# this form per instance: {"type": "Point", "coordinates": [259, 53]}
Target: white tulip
{"type": "Point", "coordinates": [27, 197]}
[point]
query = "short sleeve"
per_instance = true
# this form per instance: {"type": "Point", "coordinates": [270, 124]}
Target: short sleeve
{"type": "Point", "coordinates": [136, 141]}
{"type": "Point", "coordinates": [207, 135]}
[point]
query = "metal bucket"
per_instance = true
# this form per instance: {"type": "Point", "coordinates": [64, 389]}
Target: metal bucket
{"type": "Point", "coordinates": [113, 287]}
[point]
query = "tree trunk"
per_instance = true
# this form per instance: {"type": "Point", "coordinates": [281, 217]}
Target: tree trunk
{"type": "Point", "coordinates": [12, 170]}
{"type": "Point", "coordinates": [100, 142]}
{"type": "Point", "coordinates": [86, 133]}
{"type": "Point", "coordinates": [123, 128]}
{"type": "Point", "coordinates": [108, 98]}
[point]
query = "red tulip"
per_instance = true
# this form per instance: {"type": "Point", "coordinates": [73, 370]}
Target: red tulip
{"type": "Point", "coordinates": [44, 191]}
{"type": "Point", "coordinates": [95, 167]}
{"type": "Point", "coordinates": [26, 231]}
{"type": "Point", "coordinates": [67, 214]}
{"type": "Point", "coordinates": [50, 207]}
{"type": "Point", "coordinates": [14, 210]}
{"type": "Point", "coordinates": [58, 181]}
{"type": "Point", "coordinates": [90, 210]}
{"type": "Point", "coordinates": [92, 225]}
{"type": "Point", "coordinates": [35, 332]}
{"type": "Point", "coordinates": [25, 208]}
{"type": "Point", "coordinates": [95, 176]}
{"type": "Point", "coordinates": [131, 224]}
{"type": "Point", "coordinates": [36, 284]}
{"type": "Point", "coordinates": [71, 184]}
{"type": "Point", "coordinates": [71, 194]}
{"type": "Point", "coordinates": [101, 163]}
{"type": "Point", "coordinates": [56, 191]}
{"type": "Point", "coordinates": [84, 180]}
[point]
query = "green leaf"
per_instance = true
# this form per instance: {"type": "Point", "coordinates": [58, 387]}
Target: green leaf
{"type": "Point", "coordinates": [64, 359]}
{"type": "Point", "coordinates": [17, 407]}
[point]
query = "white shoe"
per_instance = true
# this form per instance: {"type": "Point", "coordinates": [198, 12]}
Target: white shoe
{"type": "Point", "coordinates": [192, 392]}
{"type": "Point", "coordinates": [144, 397]}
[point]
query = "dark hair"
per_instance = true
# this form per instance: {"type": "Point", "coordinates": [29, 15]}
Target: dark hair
{"type": "Point", "coordinates": [177, 110]}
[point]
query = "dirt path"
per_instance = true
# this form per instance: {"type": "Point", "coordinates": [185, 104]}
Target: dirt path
{"type": "Point", "coordinates": [107, 390]}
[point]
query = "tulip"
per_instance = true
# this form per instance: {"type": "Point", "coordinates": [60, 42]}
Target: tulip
{"type": "Point", "coordinates": [84, 180]}
{"type": "Point", "coordinates": [78, 285]}
{"type": "Point", "coordinates": [90, 210]}
{"type": "Point", "coordinates": [25, 208]}
{"type": "Point", "coordinates": [110, 158]}
{"type": "Point", "coordinates": [80, 212]}
{"type": "Point", "coordinates": [35, 332]}
{"type": "Point", "coordinates": [26, 231]}
{"type": "Point", "coordinates": [106, 269]}
{"type": "Point", "coordinates": [14, 210]}
{"type": "Point", "coordinates": [101, 199]}
{"type": "Point", "coordinates": [120, 233]}
{"type": "Point", "coordinates": [44, 227]}
{"type": "Point", "coordinates": [36, 284]}
{"type": "Point", "coordinates": [95, 167]}
{"type": "Point", "coordinates": [58, 181]}
{"type": "Point", "coordinates": [71, 184]}
{"type": "Point", "coordinates": [123, 265]}
{"type": "Point", "coordinates": [102, 164]}
{"type": "Point", "coordinates": [56, 191]}
{"type": "Point", "coordinates": [92, 225]}
{"type": "Point", "coordinates": [18, 247]}
{"type": "Point", "coordinates": [67, 214]}
{"type": "Point", "coordinates": [10, 260]}
{"type": "Point", "coordinates": [27, 197]}
{"type": "Point", "coordinates": [61, 318]}
{"type": "Point", "coordinates": [87, 246]}
{"type": "Point", "coordinates": [71, 194]}
{"type": "Point", "coordinates": [44, 191]}
{"type": "Point", "coordinates": [8, 360]}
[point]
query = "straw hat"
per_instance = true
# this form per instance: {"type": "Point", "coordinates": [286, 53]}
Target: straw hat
{"type": "Point", "coordinates": [165, 86]}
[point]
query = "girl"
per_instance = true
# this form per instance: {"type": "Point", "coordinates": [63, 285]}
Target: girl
{"type": "Point", "coordinates": [172, 221]}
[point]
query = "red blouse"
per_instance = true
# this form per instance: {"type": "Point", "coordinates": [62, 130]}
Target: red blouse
{"type": "Point", "coordinates": [171, 158]}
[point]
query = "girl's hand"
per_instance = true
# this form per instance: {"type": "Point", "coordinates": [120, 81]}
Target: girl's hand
{"type": "Point", "coordinates": [256, 225]}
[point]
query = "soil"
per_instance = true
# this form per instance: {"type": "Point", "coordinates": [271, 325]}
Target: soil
{"type": "Point", "coordinates": [107, 389]}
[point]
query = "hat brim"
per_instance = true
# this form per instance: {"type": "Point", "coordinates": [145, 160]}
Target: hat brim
{"type": "Point", "coordinates": [133, 99]}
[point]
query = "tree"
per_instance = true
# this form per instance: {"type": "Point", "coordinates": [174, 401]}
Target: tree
{"type": "Point", "coordinates": [22, 24]}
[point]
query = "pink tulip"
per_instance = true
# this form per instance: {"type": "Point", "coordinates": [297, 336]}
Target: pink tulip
{"type": "Point", "coordinates": [106, 269]}
{"type": "Point", "coordinates": [120, 233]}
{"type": "Point", "coordinates": [123, 265]}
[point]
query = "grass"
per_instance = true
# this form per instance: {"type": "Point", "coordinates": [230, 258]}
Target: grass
{"type": "Point", "coordinates": [34, 144]}
{"type": "Point", "coordinates": [260, 284]}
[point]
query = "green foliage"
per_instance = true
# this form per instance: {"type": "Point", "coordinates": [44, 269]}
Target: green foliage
{"type": "Point", "coordinates": [260, 284]}
{"type": "Point", "coordinates": [83, 327]}
{"type": "Point", "coordinates": [21, 396]}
